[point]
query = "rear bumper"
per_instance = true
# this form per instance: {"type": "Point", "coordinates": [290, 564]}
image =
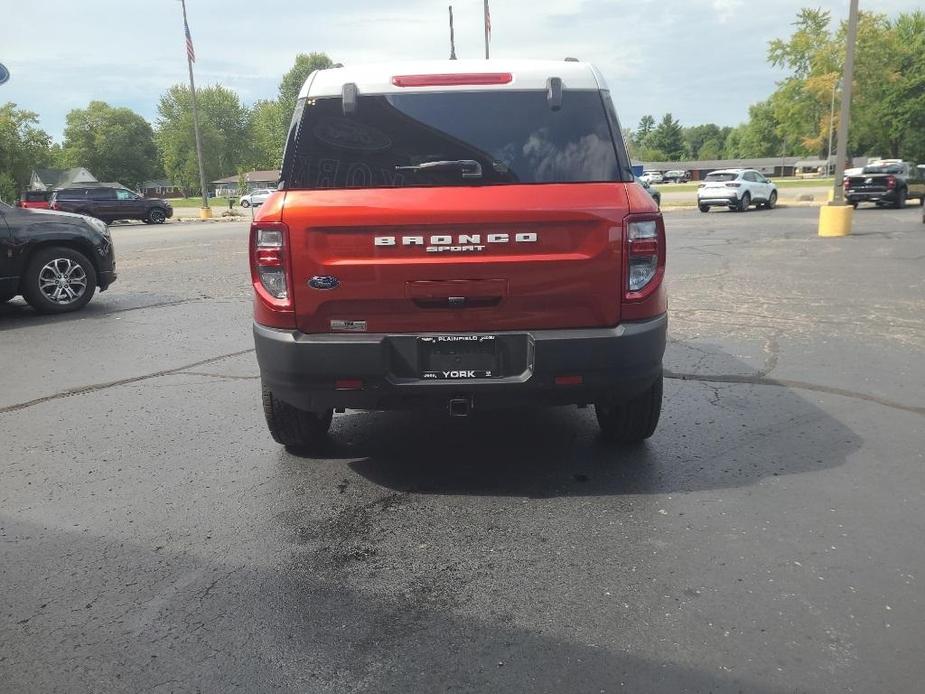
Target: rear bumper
{"type": "Point", "coordinates": [871, 196]}
{"type": "Point", "coordinates": [615, 364]}
{"type": "Point", "coordinates": [713, 201]}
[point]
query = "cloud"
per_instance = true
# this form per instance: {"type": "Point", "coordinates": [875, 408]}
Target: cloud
{"type": "Point", "coordinates": [702, 60]}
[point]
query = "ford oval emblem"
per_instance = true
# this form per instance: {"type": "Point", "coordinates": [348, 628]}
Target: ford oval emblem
{"type": "Point", "coordinates": [324, 282]}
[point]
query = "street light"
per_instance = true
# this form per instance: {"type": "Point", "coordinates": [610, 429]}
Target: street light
{"type": "Point", "coordinates": [835, 218]}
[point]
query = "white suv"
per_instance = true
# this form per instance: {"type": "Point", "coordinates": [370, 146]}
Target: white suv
{"type": "Point", "coordinates": [255, 197]}
{"type": "Point", "coordinates": [736, 189]}
{"type": "Point", "coordinates": [652, 177]}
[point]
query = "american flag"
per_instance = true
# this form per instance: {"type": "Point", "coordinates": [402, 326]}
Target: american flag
{"type": "Point", "coordinates": [190, 52]}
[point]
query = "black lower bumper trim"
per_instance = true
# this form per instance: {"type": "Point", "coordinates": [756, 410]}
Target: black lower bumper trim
{"type": "Point", "coordinates": [613, 364]}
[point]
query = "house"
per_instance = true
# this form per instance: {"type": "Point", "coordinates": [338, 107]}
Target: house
{"type": "Point", "coordinates": [771, 166]}
{"type": "Point", "coordinates": [52, 179]}
{"type": "Point", "coordinates": [161, 188]}
{"type": "Point", "coordinates": [228, 186]}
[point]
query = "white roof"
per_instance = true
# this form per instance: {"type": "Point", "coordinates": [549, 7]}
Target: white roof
{"type": "Point", "coordinates": [526, 74]}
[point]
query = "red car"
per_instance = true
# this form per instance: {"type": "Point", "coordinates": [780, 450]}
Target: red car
{"type": "Point", "coordinates": [35, 199]}
{"type": "Point", "coordinates": [458, 235]}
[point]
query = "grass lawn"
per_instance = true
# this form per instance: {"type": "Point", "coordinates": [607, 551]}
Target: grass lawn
{"type": "Point", "coordinates": [214, 203]}
{"type": "Point", "coordinates": [779, 182]}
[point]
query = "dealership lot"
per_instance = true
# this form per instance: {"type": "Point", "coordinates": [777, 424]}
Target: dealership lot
{"type": "Point", "coordinates": [766, 539]}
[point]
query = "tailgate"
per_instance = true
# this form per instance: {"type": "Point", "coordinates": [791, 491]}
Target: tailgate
{"type": "Point", "coordinates": [871, 183]}
{"type": "Point", "coordinates": [461, 259]}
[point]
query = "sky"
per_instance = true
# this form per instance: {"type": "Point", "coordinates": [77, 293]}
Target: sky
{"type": "Point", "coordinates": [701, 60]}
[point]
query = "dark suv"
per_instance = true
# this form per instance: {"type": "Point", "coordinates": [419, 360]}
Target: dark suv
{"type": "Point", "coordinates": [110, 204]}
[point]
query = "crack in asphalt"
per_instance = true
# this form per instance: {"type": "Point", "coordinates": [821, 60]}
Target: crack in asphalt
{"type": "Point", "coordinates": [120, 382]}
{"type": "Point", "coordinates": [760, 380]}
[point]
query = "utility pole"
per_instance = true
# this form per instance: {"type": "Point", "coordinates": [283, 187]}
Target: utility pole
{"type": "Point", "coordinates": [452, 37]}
{"type": "Point", "coordinates": [828, 161]}
{"type": "Point", "coordinates": [845, 113]}
{"type": "Point", "coordinates": [487, 29]}
{"type": "Point", "coordinates": [835, 218]}
{"type": "Point", "coordinates": [205, 212]}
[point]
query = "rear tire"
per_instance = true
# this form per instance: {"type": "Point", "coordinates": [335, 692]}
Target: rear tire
{"type": "Point", "coordinates": [901, 199]}
{"type": "Point", "coordinates": [744, 203]}
{"type": "Point", "coordinates": [633, 421]}
{"type": "Point", "coordinates": [245, 203]}
{"type": "Point", "coordinates": [704, 208]}
{"type": "Point", "coordinates": [295, 428]}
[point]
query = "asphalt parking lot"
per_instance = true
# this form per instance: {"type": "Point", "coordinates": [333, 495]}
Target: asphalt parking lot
{"type": "Point", "coordinates": [767, 539]}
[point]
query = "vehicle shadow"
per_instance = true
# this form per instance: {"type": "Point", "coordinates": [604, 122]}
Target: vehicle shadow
{"type": "Point", "coordinates": [153, 618]}
{"type": "Point", "coordinates": [711, 436]}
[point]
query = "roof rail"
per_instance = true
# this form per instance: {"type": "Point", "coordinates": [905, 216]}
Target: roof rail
{"type": "Point", "coordinates": [349, 98]}
{"type": "Point", "coordinates": [554, 93]}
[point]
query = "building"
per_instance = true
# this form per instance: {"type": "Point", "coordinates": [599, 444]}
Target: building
{"type": "Point", "coordinates": [52, 179]}
{"type": "Point", "coordinates": [770, 166]}
{"type": "Point", "coordinates": [228, 186]}
{"type": "Point", "coordinates": [161, 188]}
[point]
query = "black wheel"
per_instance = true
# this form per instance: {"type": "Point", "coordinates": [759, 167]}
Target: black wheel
{"type": "Point", "coordinates": [772, 200]}
{"type": "Point", "coordinates": [245, 203]}
{"type": "Point", "coordinates": [854, 204]}
{"type": "Point", "coordinates": [292, 427]}
{"type": "Point", "coordinates": [744, 203]}
{"type": "Point", "coordinates": [704, 208]}
{"type": "Point", "coordinates": [58, 280]}
{"type": "Point", "coordinates": [633, 421]}
{"type": "Point", "coordinates": [901, 199]}
{"type": "Point", "coordinates": [156, 216]}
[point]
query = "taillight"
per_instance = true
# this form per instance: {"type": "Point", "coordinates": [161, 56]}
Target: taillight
{"type": "Point", "coordinates": [733, 185]}
{"type": "Point", "coordinates": [645, 255]}
{"type": "Point", "coordinates": [891, 182]}
{"type": "Point", "coordinates": [270, 273]}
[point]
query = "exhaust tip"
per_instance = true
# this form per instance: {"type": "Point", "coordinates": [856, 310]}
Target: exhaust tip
{"type": "Point", "coordinates": [460, 407]}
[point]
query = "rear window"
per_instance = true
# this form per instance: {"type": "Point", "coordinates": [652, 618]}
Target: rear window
{"type": "Point", "coordinates": [721, 177]}
{"type": "Point", "coordinates": [515, 137]}
{"type": "Point", "coordinates": [71, 194]}
{"type": "Point", "coordinates": [34, 196]}
{"type": "Point", "coordinates": [884, 169]}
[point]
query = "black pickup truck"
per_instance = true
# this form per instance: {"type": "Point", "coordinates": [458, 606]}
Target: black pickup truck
{"type": "Point", "coordinates": [891, 182]}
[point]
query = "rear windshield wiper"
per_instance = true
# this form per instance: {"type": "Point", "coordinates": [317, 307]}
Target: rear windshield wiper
{"type": "Point", "coordinates": [469, 168]}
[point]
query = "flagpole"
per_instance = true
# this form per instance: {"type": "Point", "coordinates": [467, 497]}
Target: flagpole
{"type": "Point", "coordinates": [205, 211]}
{"type": "Point", "coordinates": [452, 37]}
{"type": "Point", "coordinates": [487, 29]}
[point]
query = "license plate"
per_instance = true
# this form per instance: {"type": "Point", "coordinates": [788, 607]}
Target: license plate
{"type": "Point", "coordinates": [458, 357]}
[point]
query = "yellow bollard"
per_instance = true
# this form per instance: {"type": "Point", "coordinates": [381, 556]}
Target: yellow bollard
{"type": "Point", "coordinates": [205, 213]}
{"type": "Point", "coordinates": [835, 220]}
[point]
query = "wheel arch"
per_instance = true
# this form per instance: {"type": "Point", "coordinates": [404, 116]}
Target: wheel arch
{"type": "Point", "coordinates": [75, 244]}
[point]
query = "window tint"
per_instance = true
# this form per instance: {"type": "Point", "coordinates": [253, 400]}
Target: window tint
{"type": "Point", "coordinates": [514, 136]}
{"type": "Point", "coordinates": [721, 177]}
{"type": "Point", "coordinates": [102, 194]}
{"type": "Point", "coordinates": [71, 194]}
{"type": "Point", "coordinates": [750, 176]}
{"type": "Point", "coordinates": [884, 168]}
{"type": "Point", "coordinates": [123, 194]}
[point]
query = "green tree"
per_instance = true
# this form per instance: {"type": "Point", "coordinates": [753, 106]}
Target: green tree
{"type": "Point", "coordinates": [289, 88]}
{"type": "Point", "coordinates": [266, 136]}
{"type": "Point", "coordinates": [23, 147]}
{"type": "Point", "coordinates": [759, 137]}
{"type": "Point", "coordinates": [224, 125]}
{"type": "Point", "coordinates": [695, 137]}
{"type": "Point", "coordinates": [646, 126]}
{"type": "Point", "coordinates": [115, 144]}
{"type": "Point", "coordinates": [668, 137]}
{"type": "Point", "coordinates": [711, 149]}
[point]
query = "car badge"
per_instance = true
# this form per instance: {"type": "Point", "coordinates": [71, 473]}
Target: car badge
{"type": "Point", "coordinates": [324, 282]}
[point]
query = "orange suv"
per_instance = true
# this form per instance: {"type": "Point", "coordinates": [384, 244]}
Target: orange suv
{"type": "Point", "coordinates": [458, 235]}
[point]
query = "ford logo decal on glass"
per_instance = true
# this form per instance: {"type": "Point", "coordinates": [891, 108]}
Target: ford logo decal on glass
{"type": "Point", "coordinates": [324, 282]}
